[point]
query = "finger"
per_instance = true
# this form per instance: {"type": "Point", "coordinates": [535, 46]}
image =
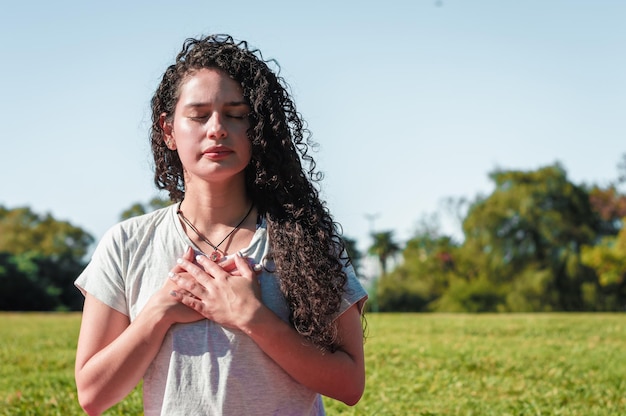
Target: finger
{"type": "Point", "coordinates": [188, 255]}
{"type": "Point", "coordinates": [187, 299]}
{"type": "Point", "coordinates": [243, 266]}
{"type": "Point", "coordinates": [227, 263]}
{"type": "Point", "coordinates": [256, 267]}
{"type": "Point", "coordinates": [213, 269]}
{"type": "Point", "coordinates": [180, 293]}
{"type": "Point", "coordinates": [192, 278]}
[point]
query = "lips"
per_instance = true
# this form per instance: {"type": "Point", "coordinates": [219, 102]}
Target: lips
{"type": "Point", "coordinates": [216, 152]}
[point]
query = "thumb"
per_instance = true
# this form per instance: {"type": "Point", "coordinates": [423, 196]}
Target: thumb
{"type": "Point", "coordinates": [243, 266]}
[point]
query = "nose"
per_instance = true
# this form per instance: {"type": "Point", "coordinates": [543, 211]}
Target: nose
{"type": "Point", "coordinates": [215, 128]}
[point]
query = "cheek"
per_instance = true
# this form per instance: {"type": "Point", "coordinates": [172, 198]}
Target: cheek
{"type": "Point", "coordinates": [241, 132]}
{"type": "Point", "coordinates": [182, 128]}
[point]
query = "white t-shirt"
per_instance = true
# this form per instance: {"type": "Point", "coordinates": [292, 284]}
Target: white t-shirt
{"type": "Point", "coordinates": [202, 368]}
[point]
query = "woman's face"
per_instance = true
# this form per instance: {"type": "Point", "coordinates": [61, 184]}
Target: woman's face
{"type": "Point", "coordinates": [209, 129]}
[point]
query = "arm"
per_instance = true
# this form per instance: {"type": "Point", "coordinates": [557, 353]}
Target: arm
{"type": "Point", "coordinates": [234, 301]}
{"type": "Point", "coordinates": [113, 354]}
{"type": "Point", "coordinates": [339, 375]}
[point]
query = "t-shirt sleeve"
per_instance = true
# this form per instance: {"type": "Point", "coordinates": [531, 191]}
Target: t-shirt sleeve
{"type": "Point", "coordinates": [103, 278]}
{"type": "Point", "coordinates": [354, 293]}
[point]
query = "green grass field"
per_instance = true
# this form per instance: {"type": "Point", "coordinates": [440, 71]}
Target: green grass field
{"type": "Point", "coordinates": [417, 364]}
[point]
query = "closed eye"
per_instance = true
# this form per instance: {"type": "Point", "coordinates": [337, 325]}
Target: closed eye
{"type": "Point", "coordinates": [237, 116]}
{"type": "Point", "coordinates": [199, 118]}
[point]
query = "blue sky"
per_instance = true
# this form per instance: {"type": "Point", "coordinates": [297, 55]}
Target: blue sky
{"type": "Point", "coordinates": [411, 102]}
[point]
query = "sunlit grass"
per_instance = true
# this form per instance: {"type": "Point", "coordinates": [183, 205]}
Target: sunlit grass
{"type": "Point", "coordinates": [417, 364]}
{"type": "Point", "coordinates": [536, 364]}
{"type": "Point", "coordinates": [37, 366]}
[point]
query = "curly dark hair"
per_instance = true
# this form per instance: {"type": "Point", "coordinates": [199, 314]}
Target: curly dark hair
{"type": "Point", "coordinates": [305, 243]}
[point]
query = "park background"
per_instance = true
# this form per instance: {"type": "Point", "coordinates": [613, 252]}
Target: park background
{"type": "Point", "coordinates": [411, 102]}
{"type": "Point", "coordinates": [472, 150]}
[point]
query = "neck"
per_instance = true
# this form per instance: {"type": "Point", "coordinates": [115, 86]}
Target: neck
{"type": "Point", "coordinates": [215, 204]}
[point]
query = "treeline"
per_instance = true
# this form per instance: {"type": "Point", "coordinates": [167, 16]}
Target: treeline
{"type": "Point", "coordinates": [39, 259]}
{"type": "Point", "coordinates": [538, 242]}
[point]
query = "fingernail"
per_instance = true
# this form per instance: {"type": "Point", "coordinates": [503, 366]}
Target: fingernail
{"type": "Point", "coordinates": [171, 275]}
{"type": "Point", "coordinates": [257, 267]}
{"type": "Point", "coordinates": [173, 293]}
{"type": "Point", "coordinates": [179, 261]}
{"type": "Point", "coordinates": [199, 257]}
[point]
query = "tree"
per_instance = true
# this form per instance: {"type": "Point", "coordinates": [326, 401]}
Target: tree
{"type": "Point", "coordinates": [528, 234]}
{"type": "Point", "coordinates": [22, 231]}
{"type": "Point", "coordinates": [21, 288]}
{"type": "Point", "coordinates": [538, 242]}
{"type": "Point", "coordinates": [384, 247]}
{"type": "Point", "coordinates": [39, 259]}
{"type": "Point", "coordinates": [608, 259]}
{"type": "Point", "coordinates": [413, 286]}
{"type": "Point", "coordinates": [610, 205]}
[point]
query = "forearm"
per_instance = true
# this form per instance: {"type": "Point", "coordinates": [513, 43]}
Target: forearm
{"type": "Point", "coordinates": [112, 373]}
{"type": "Point", "coordinates": [234, 301]}
{"type": "Point", "coordinates": [339, 375]}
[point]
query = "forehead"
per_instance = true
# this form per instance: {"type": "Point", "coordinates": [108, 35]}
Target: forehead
{"type": "Point", "coordinates": [209, 85]}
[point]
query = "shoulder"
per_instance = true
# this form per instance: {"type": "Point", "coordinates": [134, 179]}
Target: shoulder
{"type": "Point", "coordinates": [139, 228]}
{"type": "Point", "coordinates": [142, 222]}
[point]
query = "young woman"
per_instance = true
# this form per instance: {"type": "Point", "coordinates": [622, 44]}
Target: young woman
{"type": "Point", "coordinates": [238, 298]}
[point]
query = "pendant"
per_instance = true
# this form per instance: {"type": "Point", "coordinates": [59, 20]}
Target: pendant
{"type": "Point", "coordinates": [215, 256]}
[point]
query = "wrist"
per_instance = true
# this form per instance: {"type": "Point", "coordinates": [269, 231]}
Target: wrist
{"type": "Point", "coordinates": [255, 320]}
{"type": "Point", "coordinates": [156, 317]}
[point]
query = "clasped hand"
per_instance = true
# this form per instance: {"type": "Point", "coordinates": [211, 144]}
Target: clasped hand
{"type": "Point", "coordinates": [227, 293]}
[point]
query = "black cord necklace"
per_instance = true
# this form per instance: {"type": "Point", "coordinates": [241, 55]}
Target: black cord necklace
{"type": "Point", "coordinates": [215, 256]}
